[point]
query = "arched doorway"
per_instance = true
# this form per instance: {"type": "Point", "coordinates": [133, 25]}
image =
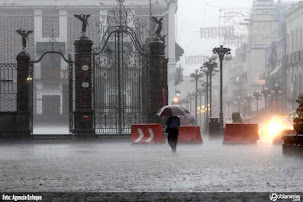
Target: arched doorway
{"type": "Point", "coordinates": [52, 94]}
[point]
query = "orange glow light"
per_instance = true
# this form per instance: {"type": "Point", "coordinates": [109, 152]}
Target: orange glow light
{"type": "Point", "coordinates": [268, 131]}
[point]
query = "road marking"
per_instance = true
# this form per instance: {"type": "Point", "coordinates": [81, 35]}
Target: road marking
{"type": "Point", "coordinates": [151, 135]}
{"type": "Point", "coordinates": [141, 135]}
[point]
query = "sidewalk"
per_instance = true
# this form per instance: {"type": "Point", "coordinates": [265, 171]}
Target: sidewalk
{"type": "Point", "coordinates": [64, 138]}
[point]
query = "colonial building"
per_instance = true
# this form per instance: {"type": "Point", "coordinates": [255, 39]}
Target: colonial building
{"type": "Point", "coordinates": [263, 30]}
{"type": "Point", "coordinates": [294, 54]}
{"type": "Point", "coordinates": [56, 28]}
{"type": "Point", "coordinates": [275, 72]}
{"type": "Point", "coordinates": [260, 63]}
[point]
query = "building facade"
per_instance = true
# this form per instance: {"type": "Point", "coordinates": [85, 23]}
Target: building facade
{"type": "Point", "coordinates": [261, 63]}
{"type": "Point", "coordinates": [56, 28]}
{"type": "Point", "coordinates": [294, 54]}
{"type": "Point", "coordinates": [263, 30]}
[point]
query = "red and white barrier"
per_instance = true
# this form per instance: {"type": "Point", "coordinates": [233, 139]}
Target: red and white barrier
{"type": "Point", "coordinates": [190, 134]}
{"type": "Point", "coordinates": [147, 134]}
{"type": "Point", "coordinates": [241, 133]}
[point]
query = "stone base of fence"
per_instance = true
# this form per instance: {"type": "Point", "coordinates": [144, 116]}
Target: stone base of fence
{"type": "Point", "coordinates": [14, 124]}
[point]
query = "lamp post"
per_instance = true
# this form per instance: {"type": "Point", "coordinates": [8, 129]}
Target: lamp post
{"type": "Point", "coordinates": [176, 99]}
{"type": "Point", "coordinates": [228, 103]}
{"type": "Point", "coordinates": [190, 103]}
{"type": "Point", "coordinates": [238, 101]}
{"type": "Point", "coordinates": [257, 95]}
{"type": "Point", "coordinates": [210, 68]}
{"type": "Point", "coordinates": [266, 93]}
{"type": "Point", "coordinates": [196, 75]}
{"type": "Point", "coordinates": [200, 92]}
{"type": "Point", "coordinates": [190, 98]}
{"type": "Point", "coordinates": [185, 101]}
{"type": "Point", "coordinates": [223, 53]}
{"type": "Point", "coordinates": [276, 90]}
{"type": "Point", "coordinates": [205, 87]}
{"type": "Point", "coordinates": [248, 99]}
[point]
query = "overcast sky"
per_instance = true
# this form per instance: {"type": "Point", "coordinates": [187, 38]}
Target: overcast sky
{"type": "Point", "coordinates": [194, 14]}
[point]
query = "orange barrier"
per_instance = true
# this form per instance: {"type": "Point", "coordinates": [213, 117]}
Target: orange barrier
{"type": "Point", "coordinates": [147, 133]}
{"type": "Point", "coordinates": [279, 137]}
{"type": "Point", "coordinates": [241, 133]}
{"type": "Point", "coordinates": [190, 134]}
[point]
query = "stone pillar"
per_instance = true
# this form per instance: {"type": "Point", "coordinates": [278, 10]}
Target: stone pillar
{"type": "Point", "coordinates": [83, 114]}
{"type": "Point", "coordinates": [159, 90]}
{"type": "Point", "coordinates": [171, 49]}
{"type": "Point", "coordinates": [22, 116]}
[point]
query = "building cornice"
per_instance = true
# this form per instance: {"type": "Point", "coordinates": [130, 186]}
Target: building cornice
{"type": "Point", "coordinates": [141, 6]}
{"type": "Point", "coordinates": [294, 8]}
{"type": "Point", "coordinates": [83, 3]}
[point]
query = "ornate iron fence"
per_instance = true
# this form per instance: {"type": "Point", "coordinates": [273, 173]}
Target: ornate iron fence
{"type": "Point", "coordinates": [8, 87]}
{"type": "Point", "coordinates": [8, 97]}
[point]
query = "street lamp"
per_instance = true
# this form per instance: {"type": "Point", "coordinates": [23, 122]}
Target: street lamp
{"type": "Point", "coordinates": [238, 101]}
{"type": "Point", "coordinates": [205, 87]}
{"type": "Point", "coordinates": [266, 93]}
{"type": "Point", "coordinates": [210, 68]}
{"type": "Point", "coordinates": [228, 103]}
{"type": "Point", "coordinates": [196, 75]}
{"type": "Point", "coordinates": [257, 95]}
{"type": "Point", "coordinates": [276, 90]}
{"type": "Point", "coordinates": [248, 99]}
{"type": "Point", "coordinates": [190, 97]}
{"type": "Point", "coordinates": [185, 101]}
{"type": "Point", "coordinates": [201, 92]}
{"type": "Point", "coordinates": [176, 99]}
{"type": "Point", "coordinates": [223, 53]}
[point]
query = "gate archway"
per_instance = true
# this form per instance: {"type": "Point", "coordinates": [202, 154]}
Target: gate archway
{"type": "Point", "coordinates": [36, 101]}
{"type": "Point", "coordinates": [121, 69]}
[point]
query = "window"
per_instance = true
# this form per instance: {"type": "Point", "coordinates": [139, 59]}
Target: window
{"type": "Point", "coordinates": [292, 49]}
{"type": "Point", "coordinates": [296, 41]}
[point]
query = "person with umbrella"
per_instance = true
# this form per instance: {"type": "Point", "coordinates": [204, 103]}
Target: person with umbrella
{"type": "Point", "coordinates": [165, 112]}
{"type": "Point", "coordinates": [172, 129]}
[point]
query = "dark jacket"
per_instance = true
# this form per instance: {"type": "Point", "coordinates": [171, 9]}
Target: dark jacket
{"type": "Point", "coordinates": [173, 122]}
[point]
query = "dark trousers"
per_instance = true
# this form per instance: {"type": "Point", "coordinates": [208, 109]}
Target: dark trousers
{"type": "Point", "coordinates": [172, 137]}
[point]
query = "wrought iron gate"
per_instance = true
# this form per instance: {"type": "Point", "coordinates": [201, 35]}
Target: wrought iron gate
{"type": "Point", "coordinates": [121, 69]}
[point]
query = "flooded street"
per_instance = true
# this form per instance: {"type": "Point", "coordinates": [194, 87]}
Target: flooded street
{"type": "Point", "coordinates": [123, 167]}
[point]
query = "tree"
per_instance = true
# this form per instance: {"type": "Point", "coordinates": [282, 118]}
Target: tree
{"type": "Point", "coordinates": [298, 121]}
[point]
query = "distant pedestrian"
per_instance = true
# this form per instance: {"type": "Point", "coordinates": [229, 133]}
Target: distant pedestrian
{"type": "Point", "coordinates": [172, 129]}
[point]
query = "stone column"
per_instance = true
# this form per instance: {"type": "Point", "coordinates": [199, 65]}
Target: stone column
{"type": "Point", "coordinates": [171, 48]}
{"type": "Point", "coordinates": [159, 90]}
{"type": "Point", "coordinates": [83, 114]}
{"type": "Point", "coordinates": [22, 116]}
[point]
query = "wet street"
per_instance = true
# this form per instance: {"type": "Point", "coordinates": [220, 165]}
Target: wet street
{"type": "Point", "coordinates": [112, 166]}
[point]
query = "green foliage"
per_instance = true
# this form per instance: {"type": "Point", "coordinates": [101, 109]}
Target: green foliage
{"type": "Point", "coordinates": [300, 107]}
{"type": "Point", "coordinates": [298, 121]}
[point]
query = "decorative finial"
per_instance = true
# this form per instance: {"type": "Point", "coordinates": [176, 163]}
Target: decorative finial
{"type": "Point", "coordinates": [24, 34]}
{"type": "Point", "coordinates": [84, 19]}
{"type": "Point", "coordinates": [159, 23]}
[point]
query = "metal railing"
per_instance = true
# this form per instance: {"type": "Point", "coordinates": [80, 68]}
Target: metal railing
{"type": "Point", "coordinates": [8, 87]}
